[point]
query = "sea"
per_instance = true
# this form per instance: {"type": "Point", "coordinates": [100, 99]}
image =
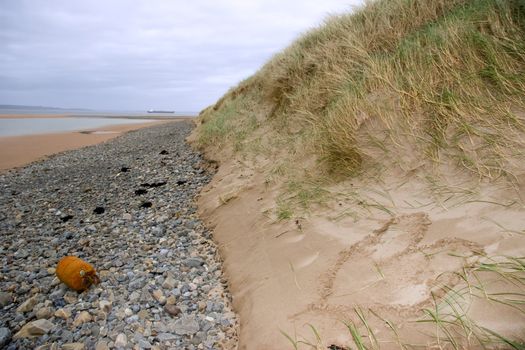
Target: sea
{"type": "Point", "coordinates": [78, 120]}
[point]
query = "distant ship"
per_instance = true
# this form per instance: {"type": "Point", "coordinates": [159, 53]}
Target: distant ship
{"type": "Point", "coordinates": [154, 111]}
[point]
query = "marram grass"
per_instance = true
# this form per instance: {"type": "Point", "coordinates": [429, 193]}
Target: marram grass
{"type": "Point", "coordinates": [445, 77]}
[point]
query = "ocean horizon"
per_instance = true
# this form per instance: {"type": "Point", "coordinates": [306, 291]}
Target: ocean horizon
{"type": "Point", "coordinates": [7, 110]}
{"type": "Point", "coordinates": [32, 126]}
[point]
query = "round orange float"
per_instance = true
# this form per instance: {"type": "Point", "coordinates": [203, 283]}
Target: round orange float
{"type": "Point", "coordinates": [76, 273]}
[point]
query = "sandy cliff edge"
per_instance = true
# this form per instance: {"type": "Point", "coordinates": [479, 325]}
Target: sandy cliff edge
{"type": "Point", "coordinates": [388, 262]}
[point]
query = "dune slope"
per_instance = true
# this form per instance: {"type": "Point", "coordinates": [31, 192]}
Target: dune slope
{"type": "Point", "coordinates": [371, 181]}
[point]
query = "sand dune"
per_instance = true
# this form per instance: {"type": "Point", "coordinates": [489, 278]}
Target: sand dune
{"type": "Point", "coordinates": [387, 262]}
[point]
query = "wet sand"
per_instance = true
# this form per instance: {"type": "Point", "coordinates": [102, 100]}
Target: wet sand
{"type": "Point", "coordinates": [16, 151]}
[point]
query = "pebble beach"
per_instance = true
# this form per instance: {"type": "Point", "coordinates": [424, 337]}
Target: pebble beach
{"type": "Point", "coordinates": [126, 206]}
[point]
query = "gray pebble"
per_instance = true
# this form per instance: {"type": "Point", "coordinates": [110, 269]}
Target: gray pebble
{"type": "Point", "coordinates": [194, 262]}
{"type": "Point", "coordinates": [186, 325]}
{"type": "Point", "coordinates": [5, 299]}
{"type": "Point", "coordinates": [5, 335]}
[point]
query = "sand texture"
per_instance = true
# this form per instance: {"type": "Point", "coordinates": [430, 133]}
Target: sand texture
{"type": "Point", "coordinates": [386, 254]}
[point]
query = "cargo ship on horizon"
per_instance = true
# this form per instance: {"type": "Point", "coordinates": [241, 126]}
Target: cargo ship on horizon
{"type": "Point", "coordinates": [155, 111]}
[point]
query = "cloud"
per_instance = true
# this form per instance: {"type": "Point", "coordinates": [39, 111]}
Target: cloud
{"type": "Point", "coordinates": [139, 54]}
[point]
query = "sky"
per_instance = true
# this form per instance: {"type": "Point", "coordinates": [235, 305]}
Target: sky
{"type": "Point", "coordinates": [143, 54]}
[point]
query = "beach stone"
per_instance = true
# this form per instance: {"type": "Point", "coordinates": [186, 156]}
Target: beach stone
{"type": "Point", "coordinates": [5, 299]}
{"type": "Point", "coordinates": [144, 344]}
{"type": "Point", "coordinates": [45, 312]}
{"type": "Point", "coordinates": [186, 325]}
{"type": "Point", "coordinates": [128, 312]}
{"type": "Point", "coordinates": [172, 310]}
{"type": "Point", "coordinates": [73, 346]}
{"type": "Point", "coordinates": [70, 297]}
{"type": "Point", "coordinates": [52, 346]}
{"type": "Point", "coordinates": [169, 283]}
{"type": "Point", "coordinates": [143, 314]}
{"type": "Point", "coordinates": [194, 262]}
{"type": "Point", "coordinates": [137, 284]}
{"type": "Point", "coordinates": [121, 340]}
{"type": "Point", "coordinates": [57, 294]}
{"type": "Point", "coordinates": [161, 219]}
{"type": "Point", "coordinates": [21, 254]}
{"type": "Point", "coordinates": [162, 337]}
{"type": "Point", "coordinates": [159, 296]}
{"type": "Point", "coordinates": [67, 336]}
{"type": "Point", "coordinates": [82, 318]}
{"type": "Point", "coordinates": [63, 313]}
{"type": "Point", "coordinates": [28, 305]}
{"type": "Point", "coordinates": [5, 335]}
{"type": "Point", "coordinates": [95, 330]}
{"type": "Point", "coordinates": [105, 305]}
{"type": "Point", "coordinates": [134, 296]}
{"type": "Point", "coordinates": [101, 345]}
{"type": "Point", "coordinates": [34, 329]}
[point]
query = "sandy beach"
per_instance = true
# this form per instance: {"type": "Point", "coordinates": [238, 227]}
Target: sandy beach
{"type": "Point", "coordinates": [18, 151]}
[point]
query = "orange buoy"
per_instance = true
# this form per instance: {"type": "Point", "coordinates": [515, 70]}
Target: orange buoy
{"type": "Point", "coordinates": [76, 273]}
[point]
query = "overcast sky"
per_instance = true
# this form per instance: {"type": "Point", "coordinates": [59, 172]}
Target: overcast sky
{"type": "Point", "coordinates": [142, 54]}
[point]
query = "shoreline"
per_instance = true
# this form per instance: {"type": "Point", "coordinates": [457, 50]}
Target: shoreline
{"type": "Point", "coordinates": [108, 116]}
{"type": "Point", "coordinates": [18, 151]}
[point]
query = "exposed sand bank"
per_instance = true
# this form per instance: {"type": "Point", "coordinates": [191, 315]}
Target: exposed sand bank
{"type": "Point", "coordinates": [16, 151]}
{"type": "Point", "coordinates": [318, 269]}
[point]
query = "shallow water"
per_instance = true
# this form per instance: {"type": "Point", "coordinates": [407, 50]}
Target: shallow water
{"type": "Point", "coordinates": [16, 127]}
